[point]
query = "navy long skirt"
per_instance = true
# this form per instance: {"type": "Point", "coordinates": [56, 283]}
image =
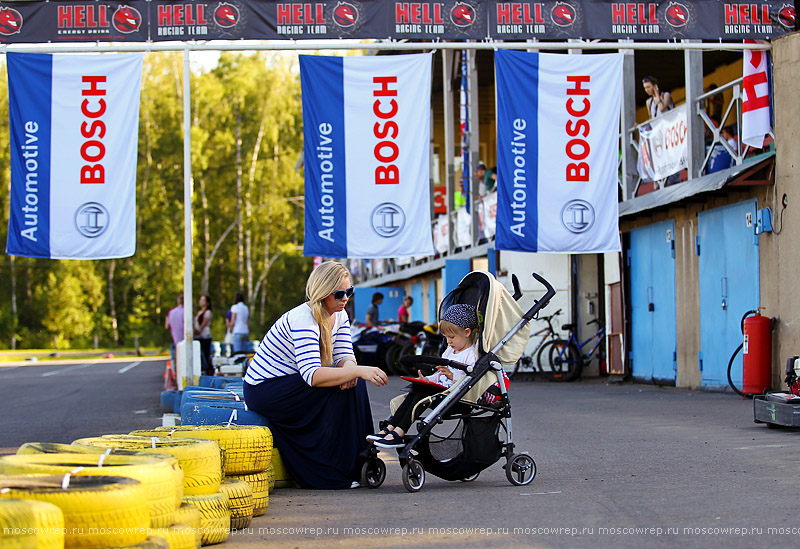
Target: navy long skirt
{"type": "Point", "coordinates": [320, 431]}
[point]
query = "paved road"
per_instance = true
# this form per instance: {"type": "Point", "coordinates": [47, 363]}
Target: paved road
{"type": "Point", "coordinates": [619, 466]}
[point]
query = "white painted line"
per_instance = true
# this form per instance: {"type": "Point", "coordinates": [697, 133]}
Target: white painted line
{"type": "Point", "coordinates": [130, 366]}
{"type": "Point", "coordinates": [761, 446]}
{"type": "Point", "coordinates": [540, 493]}
{"type": "Point", "coordinates": [69, 369]}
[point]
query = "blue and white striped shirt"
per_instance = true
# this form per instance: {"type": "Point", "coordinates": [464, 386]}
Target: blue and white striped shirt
{"type": "Point", "coordinates": [291, 346]}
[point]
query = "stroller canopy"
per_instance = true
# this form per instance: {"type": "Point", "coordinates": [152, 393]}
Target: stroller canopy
{"type": "Point", "coordinates": [498, 313]}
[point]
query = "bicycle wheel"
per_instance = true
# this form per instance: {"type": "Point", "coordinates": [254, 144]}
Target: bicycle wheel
{"type": "Point", "coordinates": [564, 359]}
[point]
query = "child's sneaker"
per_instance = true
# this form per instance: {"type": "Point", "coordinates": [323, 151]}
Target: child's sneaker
{"type": "Point", "coordinates": [391, 440]}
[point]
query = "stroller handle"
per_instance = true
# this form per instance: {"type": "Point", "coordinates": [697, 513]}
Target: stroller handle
{"type": "Point", "coordinates": [412, 360]}
{"type": "Point", "coordinates": [539, 304]}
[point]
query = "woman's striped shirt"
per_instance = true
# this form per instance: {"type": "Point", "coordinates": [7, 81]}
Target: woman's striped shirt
{"type": "Point", "coordinates": [291, 346]}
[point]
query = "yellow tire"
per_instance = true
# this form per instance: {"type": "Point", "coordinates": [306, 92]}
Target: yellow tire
{"type": "Point", "coordinates": [177, 536]}
{"type": "Point", "coordinates": [240, 497]}
{"type": "Point", "coordinates": [248, 448]}
{"type": "Point", "coordinates": [160, 474]}
{"type": "Point", "coordinates": [98, 510]}
{"type": "Point", "coordinates": [189, 515]}
{"type": "Point", "coordinates": [30, 523]}
{"type": "Point", "coordinates": [282, 477]}
{"type": "Point", "coordinates": [259, 484]}
{"type": "Point", "coordinates": [200, 459]}
{"type": "Point", "coordinates": [215, 517]}
{"type": "Point", "coordinates": [271, 475]}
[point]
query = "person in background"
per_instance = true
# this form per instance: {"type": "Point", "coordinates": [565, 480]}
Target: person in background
{"type": "Point", "coordinates": [202, 333]}
{"type": "Point", "coordinates": [403, 313]}
{"type": "Point", "coordinates": [658, 102]}
{"type": "Point", "coordinates": [305, 380]}
{"type": "Point", "coordinates": [239, 323]}
{"type": "Point", "coordinates": [373, 315]}
{"type": "Point", "coordinates": [487, 178]}
{"type": "Point", "coordinates": [174, 323]}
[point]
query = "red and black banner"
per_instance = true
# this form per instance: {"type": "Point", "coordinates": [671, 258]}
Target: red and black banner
{"type": "Point", "coordinates": [161, 20]}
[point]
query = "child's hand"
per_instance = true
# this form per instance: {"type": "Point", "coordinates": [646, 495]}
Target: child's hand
{"type": "Point", "coordinates": [421, 375]}
{"type": "Point", "coordinates": [445, 371]}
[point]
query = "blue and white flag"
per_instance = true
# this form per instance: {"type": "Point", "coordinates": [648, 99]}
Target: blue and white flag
{"type": "Point", "coordinates": [74, 122]}
{"type": "Point", "coordinates": [557, 151]}
{"type": "Point", "coordinates": [366, 128]}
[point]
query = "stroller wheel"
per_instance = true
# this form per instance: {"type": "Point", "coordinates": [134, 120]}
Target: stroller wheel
{"type": "Point", "coordinates": [470, 479]}
{"type": "Point", "coordinates": [413, 476]}
{"type": "Point", "coordinates": [373, 472]}
{"type": "Point", "coordinates": [520, 469]}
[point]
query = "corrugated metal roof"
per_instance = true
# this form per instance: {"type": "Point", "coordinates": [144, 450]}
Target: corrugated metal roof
{"type": "Point", "coordinates": [704, 184]}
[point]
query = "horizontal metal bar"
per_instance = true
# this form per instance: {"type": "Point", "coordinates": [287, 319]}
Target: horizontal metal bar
{"type": "Point", "coordinates": [292, 45]}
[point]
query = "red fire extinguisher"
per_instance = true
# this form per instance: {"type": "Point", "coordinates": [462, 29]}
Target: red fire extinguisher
{"type": "Point", "coordinates": [756, 354]}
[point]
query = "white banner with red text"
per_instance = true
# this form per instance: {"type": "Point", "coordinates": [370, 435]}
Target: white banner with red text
{"type": "Point", "coordinates": [557, 149]}
{"type": "Point", "coordinates": [366, 128]}
{"type": "Point", "coordinates": [74, 123]}
{"type": "Point", "coordinates": [756, 119]}
{"type": "Point", "coordinates": [664, 145]}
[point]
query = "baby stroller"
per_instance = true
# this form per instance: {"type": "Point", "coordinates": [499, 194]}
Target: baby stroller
{"type": "Point", "coordinates": [482, 432]}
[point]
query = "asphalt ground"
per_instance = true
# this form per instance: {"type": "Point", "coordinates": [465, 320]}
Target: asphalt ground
{"type": "Point", "coordinates": [618, 466]}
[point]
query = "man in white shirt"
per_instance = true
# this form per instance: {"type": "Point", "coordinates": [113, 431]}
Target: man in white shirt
{"type": "Point", "coordinates": [239, 323]}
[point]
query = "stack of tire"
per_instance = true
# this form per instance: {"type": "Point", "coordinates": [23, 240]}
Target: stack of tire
{"type": "Point", "coordinates": [244, 489]}
{"type": "Point", "coordinates": [120, 499]}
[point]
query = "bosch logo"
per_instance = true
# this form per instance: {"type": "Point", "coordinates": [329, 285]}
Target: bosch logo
{"type": "Point", "coordinates": [563, 15]}
{"type": "Point", "coordinates": [10, 21]}
{"type": "Point", "coordinates": [677, 15]}
{"type": "Point", "coordinates": [226, 15]}
{"type": "Point", "coordinates": [462, 15]}
{"type": "Point", "coordinates": [126, 19]}
{"type": "Point", "coordinates": [577, 216]}
{"type": "Point", "coordinates": [345, 14]}
{"type": "Point", "coordinates": [91, 219]}
{"type": "Point", "coordinates": [388, 219]}
{"type": "Point", "coordinates": [787, 16]}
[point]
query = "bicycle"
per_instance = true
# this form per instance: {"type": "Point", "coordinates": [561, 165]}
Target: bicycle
{"type": "Point", "coordinates": [566, 357]}
{"type": "Point", "coordinates": [547, 334]}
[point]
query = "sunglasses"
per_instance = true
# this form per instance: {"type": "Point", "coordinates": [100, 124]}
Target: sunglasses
{"type": "Point", "coordinates": [339, 295]}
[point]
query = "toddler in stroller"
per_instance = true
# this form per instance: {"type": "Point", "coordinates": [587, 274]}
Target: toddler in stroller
{"type": "Point", "coordinates": [482, 431]}
{"type": "Point", "coordinates": [459, 325]}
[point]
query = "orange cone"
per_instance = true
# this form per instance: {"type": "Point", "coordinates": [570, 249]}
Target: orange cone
{"type": "Point", "coordinates": [170, 380]}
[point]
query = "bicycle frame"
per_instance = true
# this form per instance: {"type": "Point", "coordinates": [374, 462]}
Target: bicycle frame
{"type": "Point", "coordinates": [586, 356]}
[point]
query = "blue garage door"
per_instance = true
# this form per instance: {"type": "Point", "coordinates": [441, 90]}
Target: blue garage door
{"type": "Point", "coordinates": [651, 261]}
{"type": "Point", "coordinates": [727, 248]}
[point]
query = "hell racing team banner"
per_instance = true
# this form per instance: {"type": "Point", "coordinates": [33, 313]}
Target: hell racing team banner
{"type": "Point", "coordinates": [366, 128]}
{"type": "Point", "coordinates": [557, 149]}
{"type": "Point", "coordinates": [74, 124]}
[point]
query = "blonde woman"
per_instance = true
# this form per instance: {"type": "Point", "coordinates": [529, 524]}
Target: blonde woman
{"type": "Point", "coordinates": [304, 379]}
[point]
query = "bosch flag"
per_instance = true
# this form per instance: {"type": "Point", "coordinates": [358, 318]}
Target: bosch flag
{"type": "Point", "coordinates": [366, 129]}
{"type": "Point", "coordinates": [74, 123]}
{"type": "Point", "coordinates": [557, 151]}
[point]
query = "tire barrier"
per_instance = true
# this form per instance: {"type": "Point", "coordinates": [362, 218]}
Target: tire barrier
{"type": "Point", "coordinates": [215, 517]}
{"type": "Point", "coordinates": [98, 510]}
{"type": "Point", "coordinates": [271, 475]}
{"type": "Point", "coordinates": [248, 448]}
{"type": "Point", "coordinates": [240, 498]}
{"type": "Point", "coordinates": [282, 477]}
{"type": "Point", "coordinates": [30, 523]}
{"type": "Point", "coordinates": [259, 485]}
{"type": "Point", "coordinates": [168, 400]}
{"type": "Point", "coordinates": [200, 459]}
{"type": "Point", "coordinates": [216, 412]}
{"type": "Point", "coordinates": [189, 515]}
{"type": "Point", "coordinates": [160, 475]}
{"type": "Point", "coordinates": [177, 536]}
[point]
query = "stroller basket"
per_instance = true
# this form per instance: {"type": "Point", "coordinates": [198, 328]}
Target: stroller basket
{"type": "Point", "coordinates": [472, 445]}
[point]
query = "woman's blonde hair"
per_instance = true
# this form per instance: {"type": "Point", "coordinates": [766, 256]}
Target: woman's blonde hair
{"type": "Point", "coordinates": [322, 282]}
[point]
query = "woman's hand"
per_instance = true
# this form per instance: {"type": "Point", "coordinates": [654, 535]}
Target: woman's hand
{"type": "Point", "coordinates": [374, 375]}
{"type": "Point", "coordinates": [348, 384]}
